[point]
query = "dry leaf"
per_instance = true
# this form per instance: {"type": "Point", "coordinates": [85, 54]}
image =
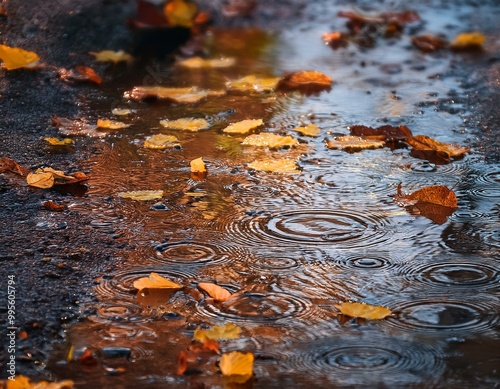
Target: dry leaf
{"type": "Point", "coordinates": [243, 127]}
{"type": "Point", "coordinates": [16, 58]}
{"type": "Point", "coordinates": [352, 144]}
{"type": "Point", "coordinates": [112, 56]}
{"type": "Point", "coordinates": [7, 164]}
{"type": "Point", "coordinates": [217, 292]}
{"type": "Point", "coordinates": [237, 365]}
{"type": "Point", "coordinates": [80, 74]}
{"type": "Point", "coordinates": [161, 142]}
{"type": "Point", "coordinates": [53, 206]}
{"type": "Point", "coordinates": [309, 130]}
{"type": "Point", "coordinates": [468, 40]}
{"type": "Point", "coordinates": [306, 82]}
{"type": "Point", "coordinates": [252, 83]}
{"type": "Point", "coordinates": [142, 195]}
{"type": "Point", "coordinates": [111, 124]}
{"type": "Point", "coordinates": [272, 141]}
{"type": "Point", "coordinates": [425, 143]}
{"type": "Point", "coordinates": [177, 95]}
{"type": "Point", "coordinates": [363, 310]}
{"type": "Point", "coordinates": [60, 142]}
{"type": "Point", "coordinates": [187, 124]}
{"type": "Point", "coordinates": [41, 180]}
{"type": "Point", "coordinates": [47, 177]}
{"type": "Point", "coordinates": [180, 13]}
{"type": "Point", "coordinates": [121, 111]}
{"type": "Point", "coordinates": [280, 165]}
{"type": "Point", "coordinates": [428, 43]}
{"type": "Point", "coordinates": [201, 63]}
{"type": "Point", "coordinates": [155, 281]}
{"type": "Point", "coordinates": [23, 382]}
{"type": "Point", "coordinates": [227, 331]}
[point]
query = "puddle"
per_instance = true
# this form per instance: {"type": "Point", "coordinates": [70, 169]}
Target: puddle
{"type": "Point", "coordinates": [292, 246]}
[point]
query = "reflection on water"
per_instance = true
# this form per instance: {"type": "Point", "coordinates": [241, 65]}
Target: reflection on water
{"type": "Point", "coordinates": [292, 246]}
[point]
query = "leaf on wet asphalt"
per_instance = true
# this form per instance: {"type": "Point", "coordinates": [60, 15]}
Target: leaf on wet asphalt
{"type": "Point", "coordinates": [9, 165]}
{"type": "Point", "coordinates": [180, 13]}
{"type": "Point", "coordinates": [428, 43]}
{"type": "Point", "coordinates": [279, 165]}
{"type": "Point", "coordinates": [363, 310]}
{"type": "Point", "coordinates": [155, 281]}
{"type": "Point", "coordinates": [142, 195]}
{"type": "Point", "coordinates": [218, 293]}
{"type": "Point", "coordinates": [16, 58]}
{"type": "Point", "coordinates": [226, 331]}
{"type": "Point", "coordinates": [111, 124]}
{"type": "Point", "coordinates": [309, 130]}
{"type": "Point", "coordinates": [177, 95]}
{"type": "Point", "coordinates": [237, 366]}
{"type": "Point", "coordinates": [202, 63]}
{"type": "Point", "coordinates": [60, 142]}
{"type": "Point", "coordinates": [47, 177]}
{"type": "Point", "coordinates": [186, 124]}
{"type": "Point", "coordinates": [41, 180]}
{"type": "Point", "coordinates": [23, 382]}
{"type": "Point", "coordinates": [243, 127]}
{"type": "Point", "coordinates": [161, 142]}
{"type": "Point", "coordinates": [352, 144]}
{"type": "Point", "coordinates": [112, 56]}
{"type": "Point", "coordinates": [121, 111]}
{"type": "Point", "coordinates": [468, 41]}
{"type": "Point", "coordinates": [425, 147]}
{"type": "Point", "coordinates": [74, 127]}
{"type": "Point", "coordinates": [270, 140]}
{"type": "Point", "coordinates": [306, 82]}
{"type": "Point", "coordinates": [336, 39]}
{"type": "Point", "coordinates": [53, 206]}
{"type": "Point", "coordinates": [252, 83]}
{"type": "Point", "coordinates": [80, 74]}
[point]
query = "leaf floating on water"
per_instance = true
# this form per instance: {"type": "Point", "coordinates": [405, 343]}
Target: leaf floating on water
{"type": "Point", "coordinates": [280, 165]}
{"type": "Point", "coordinates": [16, 58]}
{"type": "Point", "coordinates": [187, 124]}
{"type": "Point", "coordinates": [352, 144]}
{"type": "Point", "coordinates": [142, 195]}
{"type": "Point", "coordinates": [306, 81]}
{"type": "Point", "coordinates": [112, 56]}
{"type": "Point", "coordinates": [74, 127]}
{"type": "Point", "coordinates": [23, 382]}
{"type": "Point", "coordinates": [227, 331]}
{"type": "Point", "coordinates": [243, 127]}
{"type": "Point", "coordinates": [272, 141]}
{"type": "Point", "coordinates": [121, 111]}
{"type": "Point", "coordinates": [9, 165]}
{"type": "Point", "coordinates": [155, 281]}
{"type": "Point", "coordinates": [363, 310]}
{"type": "Point", "coordinates": [180, 13]}
{"type": "Point", "coordinates": [428, 43]}
{"type": "Point", "coordinates": [336, 39]}
{"type": "Point", "coordinates": [237, 366]}
{"type": "Point", "coordinates": [161, 142]}
{"type": "Point", "coordinates": [309, 130]}
{"type": "Point", "coordinates": [60, 142]}
{"type": "Point", "coordinates": [198, 169]}
{"type": "Point", "coordinates": [201, 63]}
{"type": "Point", "coordinates": [252, 83]}
{"type": "Point", "coordinates": [468, 41]}
{"type": "Point", "coordinates": [218, 293]}
{"type": "Point", "coordinates": [177, 95]}
{"type": "Point", "coordinates": [385, 133]}
{"type": "Point", "coordinates": [425, 147]}
{"type": "Point", "coordinates": [111, 124]}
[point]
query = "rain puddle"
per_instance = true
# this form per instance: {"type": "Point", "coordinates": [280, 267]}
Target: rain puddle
{"type": "Point", "coordinates": [292, 245]}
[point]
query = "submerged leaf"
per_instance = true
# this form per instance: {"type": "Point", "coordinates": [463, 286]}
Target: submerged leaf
{"type": "Point", "coordinates": [155, 281]}
{"type": "Point", "coordinates": [142, 195]}
{"type": "Point", "coordinates": [309, 130]}
{"type": "Point", "coordinates": [267, 139]}
{"type": "Point", "coordinates": [177, 95]}
{"type": "Point", "coordinates": [15, 58]}
{"type": "Point", "coordinates": [217, 292]}
{"type": "Point", "coordinates": [252, 83]}
{"type": "Point", "coordinates": [238, 365]}
{"type": "Point", "coordinates": [187, 124]}
{"type": "Point", "coordinates": [74, 127]}
{"type": "Point", "coordinates": [60, 142]}
{"type": "Point", "coordinates": [428, 43]}
{"type": "Point", "coordinates": [111, 124]}
{"type": "Point", "coordinates": [201, 63]}
{"type": "Point", "coordinates": [112, 56]}
{"type": "Point", "coordinates": [161, 142]}
{"type": "Point", "coordinates": [353, 143]}
{"type": "Point", "coordinates": [227, 331]}
{"type": "Point", "coordinates": [426, 143]}
{"type": "Point", "coordinates": [385, 133]}
{"type": "Point", "coordinates": [243, 127]}
{"type": "Point", "coordinates": [280, 165]}
{"type": "Point", "coordinates": [363, 310]}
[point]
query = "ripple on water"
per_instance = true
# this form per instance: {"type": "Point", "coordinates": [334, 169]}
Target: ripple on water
{"type": "Point", "coordinates": [191, 253]}
{"type": "Point", "coordinates": [489, 193]}
{"type": "Point", "coordinates": [274, 263]}
{"type": "Point", "coordinates": [489, 178]}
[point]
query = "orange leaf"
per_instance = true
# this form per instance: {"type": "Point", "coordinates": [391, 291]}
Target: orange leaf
{"type": "Point", "coordinates": [468, 41]}
{"type": "Point", "coordinates": [180, 13]}
{"type": "Point", "coordinates": [182, 363]}
{"type": "Point", "coordinates": [217, 292]}
{"type": "Point", "coordinates": [211, 345]}
{"type": "Point", "coordinates": [15, 58]}
{"type": "Point", "coordinates": [425, 143]}
{"type": "Point", "coordinates": [227, 331]}
{"type": "Point", "coordinates": [336, 39]}
{"type": "Point", "coordinates": [237, 365]}
{"type": "Point", "coordinates": [53, 206]}
{"type": "Point", "coordinates": [306, 82]}
{"type": "Point", "coordinates": [363, 310]}
{"type": "Point", "coordinates": [7, 164]}
{"type": "Point", "coordinates": [155, 281]}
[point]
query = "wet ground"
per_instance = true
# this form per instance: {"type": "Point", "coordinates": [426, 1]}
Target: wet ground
{"type": "Point", "coordinates": [293, 245]}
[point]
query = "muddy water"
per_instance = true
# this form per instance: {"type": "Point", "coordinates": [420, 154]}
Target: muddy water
{"type": "Point", "coordinates": [293, 245]}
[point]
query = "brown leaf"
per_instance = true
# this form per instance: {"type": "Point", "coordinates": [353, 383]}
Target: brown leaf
{"type": "Point", "coordinates": [217, 292]}
{"type": "Point", "coordinates": [182, 363]}
{"type": "Point", "coordinates": [352, 144]}
{"type": "Point", "coordinates": [74, 127]}
{"type": "Point", "coordinates": [433, 156]}
{"type": "Point", "coordinates": [336, 39]}
{"type": "Point", "coordinates": [428, 43]}
{"type": "Point", "coordinates": [423, 142]}
{"type": "Point", "coordinates": [80, 74]}
{"type": "Point", "coordinates": [435, 212]}
{"type": "Point", "coordinates": [148, 15]}
{"type": "Point", "coordinates": [177, 95]}
{"type": "Point", "coordinates": [53, 206]}
{"type": "Point", "coordinates": [9, 165]}
{"type": "Point", "coordinates": [306, 81]}
{"type": "Point", "coordinates": [387, 132]}
{"type": "Point", "coordinates": [41, 180]}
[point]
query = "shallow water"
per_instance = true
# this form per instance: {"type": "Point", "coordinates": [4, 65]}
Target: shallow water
{"type": "Point", "coordinates": [293, 245]}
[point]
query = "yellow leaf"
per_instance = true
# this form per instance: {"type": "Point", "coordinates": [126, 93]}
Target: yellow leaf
{"type": "Point", "coordinates": [180, 13]}
{"type": "Point", "coordinates": [112, 56]}
{"type": "Point", "coordinates": [111, 125]}
{"type": "Point", "coordinates": [161, 142]}
{"type": "Point", "coordinates": [22, 382]}
{"type": "Point", "coordinates": [227, 331]}
{"type": "Point", "coordinates": [269, 140]}
{"type": "Point", "coordinates": [217, 292]}
{"type": "Point", "coordinates": [351, 143]}
{"type": "Point", "coordinates": [243, 127]}
{"type": "Point", "coordinates": [177, 95]}
{"type": "Point", "coordinates": [237, 364]}
{"type": "Point", "coordinates": [310, 130]}
{"type": "Point", "coordinates": [121, 111]}
{"type": "Point", "coordinates": [15, 58]}
{"type": "Point", "coordinates": [253, 83]}
{"type": "Point", "coordinates": [42, 180]}
{"type": "Point", "coordinates": [60, 142]}
{"type": "Point", "coordinates": [201, 63]}
{"type": "Point", "coordinates": [198, 166]}
{"type": "Point", "coordinates": [468, 40]}
{"type": "Point", "coordinates": [362, 310]}
{"type": "Point", "coordinates": [187, 124]}
{"type": "Point", "coordinates": [280, 165]}
{"type": "Point", "coordinates": [155, 281]}
{"type": "Point", "coordinates": [142, 195]}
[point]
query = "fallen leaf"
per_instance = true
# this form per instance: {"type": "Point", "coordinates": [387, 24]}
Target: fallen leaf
{"type": "Point", "coordinates": [433, 156]}
{"type": "Point", "coordinates": [201, 63]}
{"type": "Point", "coordinates": [121, 111]}
{"type": "Point", "coordinates": [386, 133]}
{"type": "Point", "coordinates": [177, 95]}
{"type": "Point", "coordinates": [336, 39]}
{"type": "Point", "coordinates": [180, 13]}
{"type": "Point", "coordinates": [252, 83]}
{"type": "Point", "coordinates": [224, 332]}
{"type": "Point", "coordinates": [74, 127]}
{"type": "Point", "coordinates": [306, 82]}
{"type": "Point", "coordinates": [161, 142]}
{"type": "Point", "coordinates": [53, 206]}
{"type": "Point", "coordinates": [87, 358]}
{"type": "Point", "coordinates": [142, 195]}
{"type": "Point", "coordinates": [352, 144]}
{"type": "Point", "coordinates": [187, 124]}
{"type": "Point", "coordinates": [309, 130]}
{"type": "Point", "coordinates": [468, 41]}
{"type": "Point", "coordinates": [198, 169]}
{"type": "Point", "coordinates": [111, 124]}
{"type": "Point", "coordinates": [217, 292]}
{"type": "Point", "coordinates": [428, 43]}
{"type": "Point", "coordinates": [211, 345]}
{"type": "Point", "coordinates": [363, 310]}
{"type": "Point", "coordinates": [112, 56]}
{"type": "Point", "coordinates": [182, 363]}
{"type": "Point", "coordinates": [60, 142]}
{"type": "Point", "coordinates": [148, 15]}
{"type": "Point", "coordinates": [237, 365]}
{"type": "Point", "coordinates": [439, 151]}
{"type": "Point", "coordinates": [270, 140]}
{"type": "Point", "coordinates": [80, 74]}
{"type": "Point", "coordinates": [155, 281]}
{"type": "Point", "coordinates": [23, 382]}
{"type": "Point", "coordinates": [280, 165]}
{"type": "Point", "coordinates": [41, 180]}
{"type": "Point", "coordinates": [243, 127]}
{"type": "Point", "coordinates": [16, 58]}
{"type": "Point", "coordinates": [7, 164]}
